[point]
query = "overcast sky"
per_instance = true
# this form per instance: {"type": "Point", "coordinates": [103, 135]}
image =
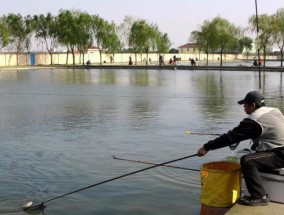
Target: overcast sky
{"type": "Point", "coordinates": [176, 17]}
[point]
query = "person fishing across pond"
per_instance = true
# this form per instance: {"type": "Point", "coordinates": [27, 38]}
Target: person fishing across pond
{"type": "Point", "coordinates": [265, 127]}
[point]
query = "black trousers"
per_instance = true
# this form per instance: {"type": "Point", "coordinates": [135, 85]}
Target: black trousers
{"type": "Point", "coordinates": [260, 161]}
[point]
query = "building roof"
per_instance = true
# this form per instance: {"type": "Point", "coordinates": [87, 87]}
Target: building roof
{"type": "Point", "coordinates": [188, 45]}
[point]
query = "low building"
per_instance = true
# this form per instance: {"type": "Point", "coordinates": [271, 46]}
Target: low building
{"type": "Point", "coordinates": [188, 48]}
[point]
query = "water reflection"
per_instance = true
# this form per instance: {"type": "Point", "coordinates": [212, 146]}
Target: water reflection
{"type": "Point", "coordinates": [213, 104]}
{"type": "Point", "coordinates": [71, 76]}
{"type": "Point", "coordinates": [106, 77]}
{"type": "Point", "coordinates": [14, 75]}
{"type": "Point", "coordinates": [140, 79]}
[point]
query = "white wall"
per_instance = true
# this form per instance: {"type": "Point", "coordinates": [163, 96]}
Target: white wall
{"type": "Point", "coordinates": [10, 59]}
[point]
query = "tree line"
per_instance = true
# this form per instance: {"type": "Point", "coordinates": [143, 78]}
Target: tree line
{"type": "Point", "coordinates": [220, 35]}
{"type": "Point", "coordinates": [78, 31]}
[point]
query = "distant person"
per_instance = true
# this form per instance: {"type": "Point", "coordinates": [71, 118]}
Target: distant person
{"type": "Point", "coordinates": [150, 61]}
{"type": "Point", "coordinates": [111, 59]}
{"type": "Point", "coordinates": [260, 62]}
{"type": "Point", "coordinates": [255, 62]}
{"type": "Point", "coordinates": [161, 60]}
{"type": "Point", "coordinates": [130, 61]}
{"type": "Point", "coordinates": [175, 60]}
{"type": "Point", "coordinates": [192, 61]}
{"type": "Point", "coordinates": [88, 62]}
{"type": "Point", "coordinates": [171, 61]}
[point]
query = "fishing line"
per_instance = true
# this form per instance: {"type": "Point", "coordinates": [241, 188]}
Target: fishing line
{"type": "Point", "coordinates": [152, 163]}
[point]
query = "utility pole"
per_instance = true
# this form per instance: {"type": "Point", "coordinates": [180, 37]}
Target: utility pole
{"type": "Point", "coordinates": [258, 46]}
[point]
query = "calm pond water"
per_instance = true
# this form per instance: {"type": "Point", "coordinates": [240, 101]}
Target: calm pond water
{"type": "Point", "coordinates": [60, 128]}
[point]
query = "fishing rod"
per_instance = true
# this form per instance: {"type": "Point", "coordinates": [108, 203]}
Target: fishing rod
{"type": "Point", "coordinates": [152, 163]}
{"type": "Point", "coordinates": [40, 207]}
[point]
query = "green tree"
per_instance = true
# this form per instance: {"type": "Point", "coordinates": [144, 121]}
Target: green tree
{"type": "Point", "coordinates": [134, 42]}
{"type": "Point", "coordinates": [105, 35]}
{"type": "Point", "coordinates": [83, 33]}
{"type": "Point", "coordinates": [20, 29]}
{"type": "Point", "coordinates": [173, 50]}
{"type": "Point", "coordinates": [163, 42]}
{"type": "Point", "coordinates": [197, 37]}
{"type": "Point", "coordinates": [113, 43]}
{"type": "Point", "coordinates": [245, 44]}
{"type": "Point", "coordinates": [205, 38]}
{"type": "Point", "coordinates": [67, 34]}
{"type": "Point", "coordinates": [4, 33]}
{"type": "Point", "coordinates": [46, 28]}
{"type": "Point", "coordinates": [278, 32]}
{"type": "Point", "coordinates": [265, 27]}
{"type": "Point", "coordinates": [143, 37]}
{"type": "Point", "coordinates": [224, 34]}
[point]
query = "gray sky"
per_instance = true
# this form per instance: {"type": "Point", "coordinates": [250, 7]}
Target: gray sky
{"type": "Point", "coordinates": [175, 17]}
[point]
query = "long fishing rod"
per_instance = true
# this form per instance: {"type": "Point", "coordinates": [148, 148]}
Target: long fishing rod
{"type": "Point", "coordinates": [30, 207]}
{"type": "Point", "coordinates": [152, 163]}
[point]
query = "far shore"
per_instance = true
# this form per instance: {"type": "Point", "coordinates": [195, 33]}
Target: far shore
{"type": "Point", "coordinates": [179, 66]}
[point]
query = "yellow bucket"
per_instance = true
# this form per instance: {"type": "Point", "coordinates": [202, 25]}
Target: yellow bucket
{"type": "Point", "coordinates": [220, 183]}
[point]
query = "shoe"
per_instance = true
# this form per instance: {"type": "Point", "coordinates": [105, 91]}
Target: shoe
{"type": "Point", "coordinates": [242, 199]}
{"type": "Point", "coordinates": [249, 201]}
{"type": "Point", "coordinates": [246, 197]}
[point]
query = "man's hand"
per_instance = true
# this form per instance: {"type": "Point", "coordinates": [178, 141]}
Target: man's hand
{"type": "Point", "coordinates": [201, 152]}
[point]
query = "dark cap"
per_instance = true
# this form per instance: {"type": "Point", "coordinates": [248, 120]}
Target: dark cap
{"type": "Point", "coordinates": [252, 97]}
